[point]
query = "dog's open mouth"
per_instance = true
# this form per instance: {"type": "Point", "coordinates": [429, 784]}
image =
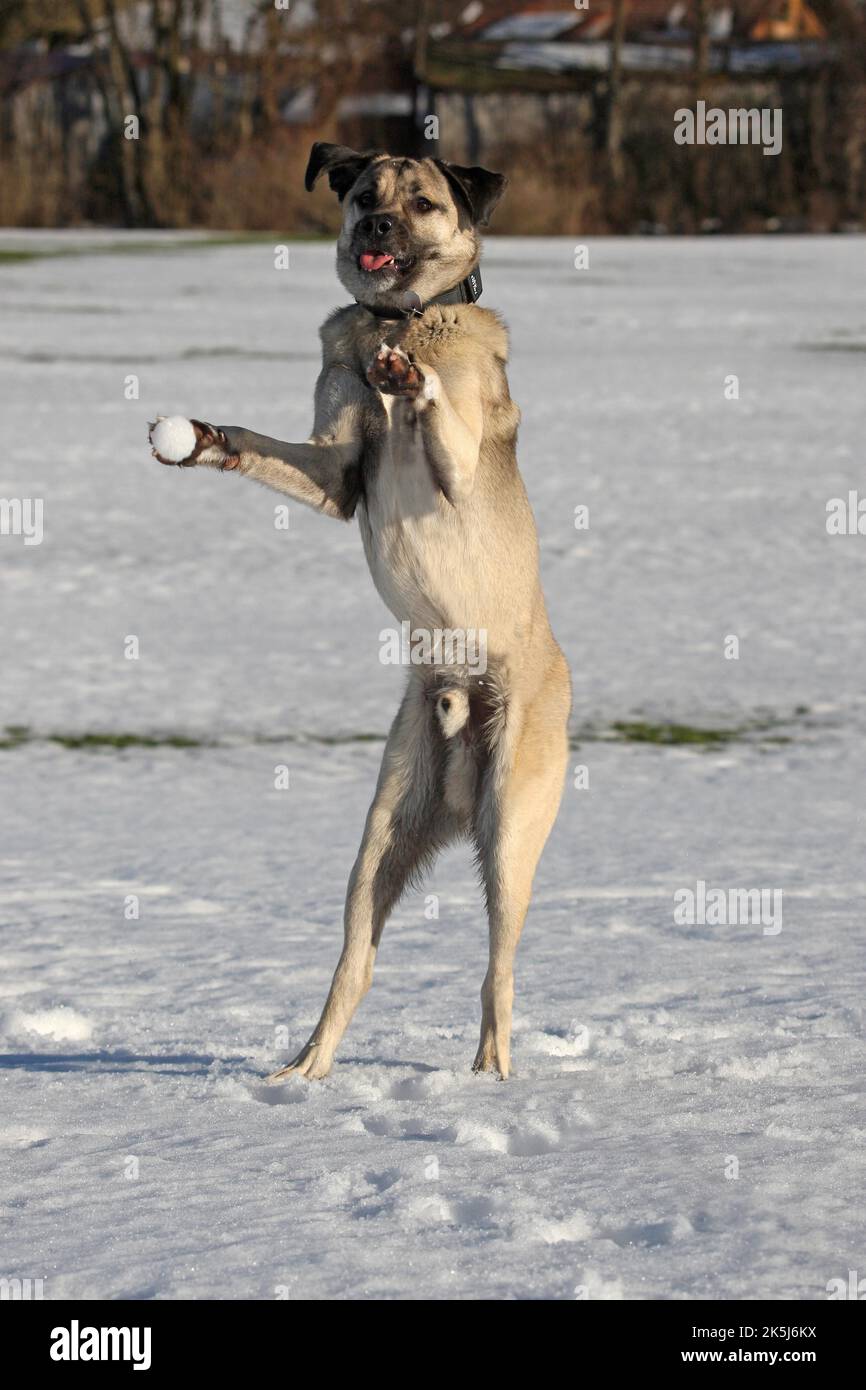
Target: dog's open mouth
{"type": "Point", "coordinates": [373, 261]}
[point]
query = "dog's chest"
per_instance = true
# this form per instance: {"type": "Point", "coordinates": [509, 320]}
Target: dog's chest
{"type": "Point", "coordinates": [402, 486]}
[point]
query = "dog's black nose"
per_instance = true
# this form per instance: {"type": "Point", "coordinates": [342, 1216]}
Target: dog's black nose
{"type": "Point", "coordinates": [377, 226]}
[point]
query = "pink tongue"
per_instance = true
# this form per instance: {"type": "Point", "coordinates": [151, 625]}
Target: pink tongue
{"type": "Point", "coordinates": [374, 261]}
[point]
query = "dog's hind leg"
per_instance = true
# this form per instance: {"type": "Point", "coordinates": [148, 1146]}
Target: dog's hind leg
{"type": "Point", "coordinates": [517, 807]}
{"type": "Point", "coordinates": [406, 825]}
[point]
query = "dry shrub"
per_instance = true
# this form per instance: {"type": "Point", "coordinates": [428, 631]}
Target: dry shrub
{"type": "Point", "coordinates": [259, 186]}
{"type": "Point", "coordinates": [32, 188]}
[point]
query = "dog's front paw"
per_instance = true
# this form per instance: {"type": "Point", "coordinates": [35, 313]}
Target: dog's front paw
{"type": "Point", "coordinates": [393, 372]}
{"type": "Point", "coordinates": [188, 443]}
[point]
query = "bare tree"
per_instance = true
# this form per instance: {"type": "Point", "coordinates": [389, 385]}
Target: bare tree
{"type": "Point", "coordinates": [700, 68]}
{"type": "Point", "coordinates": [614, 115]}
{"type": "Point", "coordinates": [120, 96]}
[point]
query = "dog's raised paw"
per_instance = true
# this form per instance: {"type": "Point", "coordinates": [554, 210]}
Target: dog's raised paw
{"type": "Point", "coordinates": [185, 443]}
{"type": "Point", "coordinates": [394, 372]}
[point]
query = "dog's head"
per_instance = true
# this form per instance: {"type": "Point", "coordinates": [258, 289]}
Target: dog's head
{"type": "Point", "coordinates": [408, 224]}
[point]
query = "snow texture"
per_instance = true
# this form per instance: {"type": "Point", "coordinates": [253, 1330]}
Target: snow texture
{"type": "Point", "coordinates": [686, 1116]}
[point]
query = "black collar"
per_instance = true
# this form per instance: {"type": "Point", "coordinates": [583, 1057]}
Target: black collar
{"type": "Point", "coordinates": [467, 292]}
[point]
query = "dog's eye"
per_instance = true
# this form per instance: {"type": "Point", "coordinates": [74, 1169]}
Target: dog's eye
{"type": "Point", "coordinates": [423, 205]}
{"type": "Point", "coordinates": [365, 200]}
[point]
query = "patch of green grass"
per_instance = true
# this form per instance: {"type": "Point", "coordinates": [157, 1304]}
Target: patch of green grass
{"type": "Point", "coordinates": [17, 734]}
{"type": "Point", "coordinates": [833, 347]}
{"type": "Point", "coordinates": [334, 739]}
{"type": "Point", "coordinates": [641, 731]}
{"type": "Point", "coordinates": [12, 256]}
{"type": "Point", "coordinates": [663, 734]}
{"type": "Point", "coordinates": [89, 741]}
{"type": "Point", "coordinates": [671, 734]}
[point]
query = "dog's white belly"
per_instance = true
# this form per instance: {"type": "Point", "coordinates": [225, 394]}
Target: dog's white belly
{"type": "Point", "coordinates": [421, 550]}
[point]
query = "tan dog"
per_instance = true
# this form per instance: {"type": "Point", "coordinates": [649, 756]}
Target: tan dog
{"type": "Point", "coordinates": [415, 434]}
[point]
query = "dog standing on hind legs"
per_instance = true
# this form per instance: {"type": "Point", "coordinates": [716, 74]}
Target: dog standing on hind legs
{"type": "Point", "coordinates": [415, 434]}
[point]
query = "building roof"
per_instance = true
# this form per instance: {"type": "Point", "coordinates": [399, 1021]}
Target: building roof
{"type": "Point", "coordinates": [558, 21]}
{"type": "Point", "coordinates": [547, 44]}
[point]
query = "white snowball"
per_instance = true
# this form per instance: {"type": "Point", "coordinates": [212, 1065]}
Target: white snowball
{"type": "Point", "coordinates": [173, 438]}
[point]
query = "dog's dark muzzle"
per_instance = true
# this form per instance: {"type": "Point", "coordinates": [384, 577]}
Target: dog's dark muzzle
{"type": "Point", "coordinates": [385, 235]}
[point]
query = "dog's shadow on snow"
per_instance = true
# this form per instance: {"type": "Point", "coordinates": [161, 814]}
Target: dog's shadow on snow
{"type": "Point", "coordinates": [169, 1064]}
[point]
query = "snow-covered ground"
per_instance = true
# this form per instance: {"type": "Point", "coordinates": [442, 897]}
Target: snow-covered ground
{"type": "Point", "coordinates": [686, 1118]}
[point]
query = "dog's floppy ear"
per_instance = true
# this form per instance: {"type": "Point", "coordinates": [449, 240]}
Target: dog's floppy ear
{"type": "Point", "coordinates": [479, 190]}
{"type": "Point", "coordinates": [343, 166]}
